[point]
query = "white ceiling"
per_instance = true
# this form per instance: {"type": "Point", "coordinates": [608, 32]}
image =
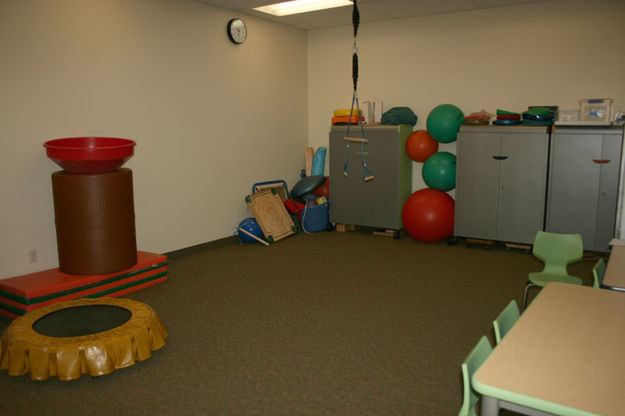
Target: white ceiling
{"type": "Point", "coordinates": [370, 10]}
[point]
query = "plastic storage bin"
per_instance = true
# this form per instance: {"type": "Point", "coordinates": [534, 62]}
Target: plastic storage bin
{"type": "Point", "coordinates": [595, 109]}
{"type": "Point", "coordinates": [315, 218]}
{"type": "Point", "coordinates": [568, 115]}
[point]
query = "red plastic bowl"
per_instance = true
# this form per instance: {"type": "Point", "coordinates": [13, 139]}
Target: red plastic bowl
{"type": "Point", "coordinates": [90, 154]}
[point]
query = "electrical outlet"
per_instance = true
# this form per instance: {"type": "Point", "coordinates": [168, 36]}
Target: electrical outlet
{"type": "Point", "coordinates": [32, 256]}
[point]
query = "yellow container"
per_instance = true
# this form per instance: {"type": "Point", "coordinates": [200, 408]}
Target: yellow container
{"type": "Point", "coordinates": [346, 112]}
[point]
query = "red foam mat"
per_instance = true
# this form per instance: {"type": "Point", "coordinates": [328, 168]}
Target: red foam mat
{"type": "Point", "coordinates": [52, 281]}
{"type": "Point", "coordinates": [113, 294]}
{"type": "Point", "coordinates": [90, 292]}
{"type": "Point", "coordinates": [21, 294]}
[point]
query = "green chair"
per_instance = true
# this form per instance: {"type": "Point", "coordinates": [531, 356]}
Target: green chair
{"type": "Point", "coordinates": [598, 271]}
{"type": "Point", "coordinates": [506, 319]}
{"type": "Point", "coordinates": [474, 360]}
{"type": "Point", "coordinates": [556, 251]}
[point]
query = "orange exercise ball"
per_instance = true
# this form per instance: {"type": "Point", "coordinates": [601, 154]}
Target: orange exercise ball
{"type": "Point", "coordinates": [420, 145]}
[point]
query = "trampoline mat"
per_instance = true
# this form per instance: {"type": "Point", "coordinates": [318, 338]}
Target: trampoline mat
{"type": "Point", "coordinates": [81, 320]}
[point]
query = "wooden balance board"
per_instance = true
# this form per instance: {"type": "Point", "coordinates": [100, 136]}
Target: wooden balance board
{"type": "Point", "coordinates": [271, 215]}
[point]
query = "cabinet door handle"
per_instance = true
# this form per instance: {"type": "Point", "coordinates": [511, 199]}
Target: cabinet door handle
{"type": "Point", "coordinates": [601, 161]}
{"type": "Point", "coordinates": [500, 157]}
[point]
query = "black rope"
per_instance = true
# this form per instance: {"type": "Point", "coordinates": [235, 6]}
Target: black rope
{"type": "Point", "coordinates": [355, 70]}
{"type": "Point", "coordinates": [355, 18]}
{"type": "Point", "coordinates": [356, 23]}
{"type": "Point", "coordinates": [367, 174]}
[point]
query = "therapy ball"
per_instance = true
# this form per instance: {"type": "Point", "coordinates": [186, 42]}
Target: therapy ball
{"type": "Point", "coordinates": [251, 226]}
{"type": "Point", "coordinates": [420, 145]}
{"type": "Point", "coordinates": [428, 215]}
{"type": "Point", "coordinates": [323, 189]}
{"type": "Point", "coordinates": [444, 121]}
{"type": "Point", "coordinates": [439, 171]}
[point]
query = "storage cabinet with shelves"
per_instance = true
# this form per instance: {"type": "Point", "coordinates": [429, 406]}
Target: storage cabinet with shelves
{"type": "Point", "coordinates": [583, 183]}
{"type": "Point", "coordinates": [501, 175]}
{"type": "Point", "coordinates": [376, 203]}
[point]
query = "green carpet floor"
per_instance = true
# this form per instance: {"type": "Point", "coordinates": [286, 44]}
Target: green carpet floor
{"type": "Point", "coordinates": [321, 324]}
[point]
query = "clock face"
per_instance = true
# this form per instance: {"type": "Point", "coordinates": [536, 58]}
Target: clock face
{"type": "Point", "coordinates": [237, 32]}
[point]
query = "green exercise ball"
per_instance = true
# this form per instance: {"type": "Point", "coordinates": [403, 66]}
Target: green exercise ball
{"type": "Point", "coordinates": [444, 121]}
{"type": "Point", "coordinates": [439, 171]}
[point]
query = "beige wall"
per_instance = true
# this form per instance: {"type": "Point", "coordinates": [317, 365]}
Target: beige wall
{"type": "Point", "coordinates": [210, 118]}
{"type": "Point", "coordinates": [539, 54]}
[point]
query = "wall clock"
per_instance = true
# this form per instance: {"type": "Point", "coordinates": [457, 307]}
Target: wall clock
{"type": "Point", "coordinates": [237, 31]}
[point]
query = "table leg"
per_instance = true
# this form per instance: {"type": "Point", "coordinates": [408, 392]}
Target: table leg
{"type": "Point", "coordinates": [490, 406]}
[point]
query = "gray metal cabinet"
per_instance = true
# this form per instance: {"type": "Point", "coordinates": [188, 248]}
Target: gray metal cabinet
{"type": "Point", "coordinates": [583, 183]}
{"type": "Point", "coordinates": [501, 175]}
{"type": "Point", "coordinates": [376, 203]}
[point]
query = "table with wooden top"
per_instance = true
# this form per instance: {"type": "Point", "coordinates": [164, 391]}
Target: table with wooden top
{"type": "Point", "coordinates": [614, 277]}
{"type": "Point", "coordinates": [564, 356]}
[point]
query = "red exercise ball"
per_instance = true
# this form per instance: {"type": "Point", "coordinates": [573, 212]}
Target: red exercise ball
{"type": "Point", "coordinates": [420, 145]}
{"type": "Point", "coordinates": [323, 189]}
{"type": "Point", "coordinates": [428, 215]}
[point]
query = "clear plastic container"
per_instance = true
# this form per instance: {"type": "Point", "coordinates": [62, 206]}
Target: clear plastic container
{"type": "Point", "coordinates": [568, 115]}
{"type": "Point", "coordinates": [595, 109]}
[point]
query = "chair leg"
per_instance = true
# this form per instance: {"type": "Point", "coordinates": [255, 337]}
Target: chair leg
{"type": "Point", "coordinates": [527, 288]}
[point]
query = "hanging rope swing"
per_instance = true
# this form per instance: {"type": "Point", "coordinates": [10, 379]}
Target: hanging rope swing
{"type": "Point", "coordinates": [367, 174]}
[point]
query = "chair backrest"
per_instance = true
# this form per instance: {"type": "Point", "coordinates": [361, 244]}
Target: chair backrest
{"type": "Point", "coordinates": [558, 250]}
{"type": "Point", "coordinates": [598, 271]}
{"type": "Point", "coordinates": [474, 360]}
{"type": "Point", "coordinates": [506, 319]}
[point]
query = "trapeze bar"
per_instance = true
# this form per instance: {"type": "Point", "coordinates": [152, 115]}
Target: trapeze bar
{"type": "Point", "coordinates": [356, 139]}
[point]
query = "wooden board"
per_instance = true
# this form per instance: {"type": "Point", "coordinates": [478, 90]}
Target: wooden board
{"type": "Point", "coordinates": [271, 215]}
{"type": "Point", "coordinates": [345, 227]}
{"type": "Point", "coordinates": [309, 155]}
{"type": "Point", "coordinates": [278, 186]}
{"type": "Point", "coordinates": [481, 242]}
{"type": "Point", "coordinates": [526, 247]}
{"type": "Point", "coordinates": [386, 233]}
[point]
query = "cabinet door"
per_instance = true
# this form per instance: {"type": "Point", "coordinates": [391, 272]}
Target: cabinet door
{"type": "Point", "coordinates": [522, 179]}
{"type": "Point", "coordinates": [574, 185]}
{"type": "Point", "coordinates": [380, 195]}
{"type": "Point", "coordinates": [608, 190]}
{"type": "Point", "coordinates": [477, 184]}
{"type": "Point", "coordinates": [346, 203]}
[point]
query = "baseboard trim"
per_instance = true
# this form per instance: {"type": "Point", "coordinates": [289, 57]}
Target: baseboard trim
{"type": "Point", "coordinates": [183, 252]}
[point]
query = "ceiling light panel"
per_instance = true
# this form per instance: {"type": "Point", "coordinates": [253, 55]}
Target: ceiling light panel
{"type": "Point", "coordinates": [301, 6]}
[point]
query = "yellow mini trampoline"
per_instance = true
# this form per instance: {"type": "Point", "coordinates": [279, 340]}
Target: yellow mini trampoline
{"type": "Point", "coordinates": [83, 336]}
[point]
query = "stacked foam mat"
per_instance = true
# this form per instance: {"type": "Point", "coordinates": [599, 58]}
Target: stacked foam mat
{"type": "Point", "coordinates": [22, 294]}
{"type": "Point", "coordinates": [95, 230]}
{"type": "Point", "coordinates": [347, 116]}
